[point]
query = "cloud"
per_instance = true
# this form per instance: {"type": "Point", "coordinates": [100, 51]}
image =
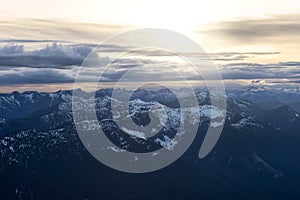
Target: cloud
{"type": "Point", "coordinates": [59, 30]}
{"type": "Point", "coordinates": [19, 64]}
{"type": "Point", "coordinates": [272, 38]}
{"type": "Point", "coordinates": [257, 29]}
{"type": "Point", "coordinates": [11, 49]}
{"type": "Point", "coordinates": [285, 81]}
{"type": "Point", "coordinates": [55, 63]}
{"type": "Point", "coordinates": [218, 56]}
{"type": "Point", "coordinates": [280, 70]}
{"type": "Point", "coordinates": [31, 41]}
{"type": "Point", "coordinates": [34, 76]}
{"type": "Point", "coordinates": [58, 63]}
{"type": "Point", "coordinates": [54, 56]}
{"type": "Point", "coordinates": [284, 28]}
{"type": "Point", "coordinates": [237, 56]}
{"type": "Point", "coordinates": [23, 63]}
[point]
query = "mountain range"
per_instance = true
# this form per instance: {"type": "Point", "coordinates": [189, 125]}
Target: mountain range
{"type": "Point", "coordinates": [256, 157]}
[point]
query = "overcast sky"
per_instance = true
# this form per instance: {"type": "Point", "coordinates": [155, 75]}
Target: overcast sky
{"type": "Point", "coordinates": [45, 42]}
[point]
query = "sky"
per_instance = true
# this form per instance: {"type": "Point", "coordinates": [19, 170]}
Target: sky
{"type": "Point", "coordinates": [43, 43]}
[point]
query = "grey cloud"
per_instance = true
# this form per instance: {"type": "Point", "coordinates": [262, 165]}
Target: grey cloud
{"type": "Point", "coordinates": [52, 63]}
{"type": "Point", "coordinates": [268, 66]}
{"type": "Point", "coordinates": [57, 30]}
{"type": "Point", "coordinates": [31, 41]}
{"type": "Point", "coordinates": [237, 56]}
{"type": "Point", "coordinates": [11, 49]}
{"type": "Point", "coordinates": [42, 76]}
{"type": "Point", "coordinates": [284, 81]}
{"type": "Point", "coordinates": [56, 62]}
{"type": "Point", "coordinates": [219, 56]}
{"type": "Point", "coordinates": [281, 70]}
{"type": "Point", "coordinates": [281, 27]}
{"type": "Point", "coordinates": [53, 56]}
{"type": "Point", "coordinates": [57, 56]}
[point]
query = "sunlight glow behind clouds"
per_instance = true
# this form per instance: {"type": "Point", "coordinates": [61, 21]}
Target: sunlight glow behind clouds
{"type": "Point", "coordinates": [177, 15]}
{"type": "Point", "coordinates": [240, 27]}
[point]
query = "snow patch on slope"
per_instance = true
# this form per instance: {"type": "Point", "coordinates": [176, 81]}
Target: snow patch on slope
{"type": "Point", "coordinates": [133, 133]}
{"type": "Point", "coordinates": [167, 142]}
